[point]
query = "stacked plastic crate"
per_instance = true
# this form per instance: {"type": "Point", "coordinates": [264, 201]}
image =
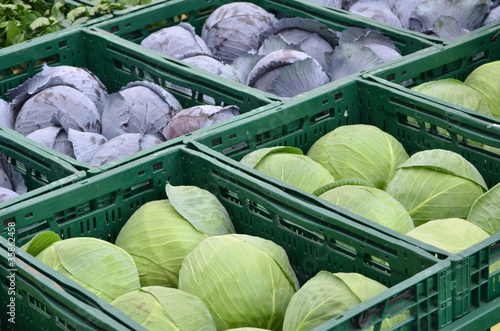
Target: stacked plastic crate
{"type": "Point", "coordinates": [439, 292]}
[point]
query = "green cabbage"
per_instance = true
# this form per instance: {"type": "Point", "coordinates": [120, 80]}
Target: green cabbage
{"type": "Point", "coordinates": [456, 92]}
{"type": "Point", "coordinates": [452, 234]}
{"type": "Point", "coordinates": [165, 309]}
{"type": "Point", "coordinates": [101, 267]}
{"type": "Point", "coordinates": [373, 204]}
{"type": "Point", "coordinates": [161, 233]}
{"type": "Point", "coordinates": [245, 281]}
{"type": "Point", "coordinates": [359, 151]}
{"type": "Point", "coordinates": [436, 184]}
{"type": "Point", "coordinates": [328, 295]}
{"type": "Point", "coordinates": [485, 212]}
{"type": "Point", "coordinates": [289, 165]}
{"type": "Point", "coordinates": [486, 80]}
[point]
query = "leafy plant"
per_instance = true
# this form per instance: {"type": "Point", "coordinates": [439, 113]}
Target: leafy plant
{"type": "Point", "coordinates": [20, 21]}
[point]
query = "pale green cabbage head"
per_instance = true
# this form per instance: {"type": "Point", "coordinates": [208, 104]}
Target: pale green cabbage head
{"type": "Point", "coordinates": [359, 151]}
{"type": "Point", "coordinates": [452, 234]}
{"type": "Point", "coordinates": [436, 184]}
{"type": "Point", "coordinates": [373, 204]}
{"type": "Point", "coordinates": [289, 165]}
{"type": "Point", "coordinates": [328, 295]}
{"type": "Point", "coordinates": [161, 233]}
{"type": "Point", "coordinates": [245, 281]}
{"type": "Point", "coordinates": [486, 80]}
{"type": "Point", "coordinates": [456, 92]}
{"type": "Point", "coordinates": [101, 267]}
{"type": "Point", "coordinates": [165, 309]}
{"type": "Point", "coordinates": [485, 212]}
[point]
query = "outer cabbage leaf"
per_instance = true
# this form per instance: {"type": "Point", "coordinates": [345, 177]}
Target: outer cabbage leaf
{"type": "Point", "coordinates": [275, 43]}
{"type": "Point", "coordinates": [287, 73]}
{"type": "Point", "coordinates": [452, 234]}
{"type": "Point", "coordinates": [297, 170]}
{"type": "Point", "coordinates": [348, 181]}
{"type": "Point", "coordinates": [201, 208]}
{"type": "Point", "coordinates": [485, 212]}
{"type": "Point", "coordinates": [18, 95]}
{"type": "Point", "coordinates": [6, 116]}
{"type": "Point", "coordinates": [486, 80]}
{"type": "Point", "coordinates": [239, 281]}
{"type": "Point", "coordinates": [376, 10]}
{"type": "Point", "coordinates": [328, 295]}
{"type": "Point", "coordinates": [456, 92]}
{"type": "Point", "coordinates": [359, 151]}
{"type": "Point", "coordinates": [101, 267]}
{"type": "Point", "coordinates": [373, 204]}
{"type": "Point", "coordinates": [242, 66]}
{"type": "Point", "coordinates": [46, 136]}
{"type": "Point", "coordinates": [197, 117]}
{"type": "Point", "coordinates": [313, 37]}
{"type": "Point", "coordinates": [350, 58]}
{"type": "Point", "coordinates": [298, 78]}
{"type": "Point", "coordinates": [429, 194]}
{"type": "Point", "coordinates": [274, 60]}
{"type": "Point", "coordinates": [55, 138]}
{"type": "Point", "coordinates": [85, 144]}
{"type": "Point", "coordinates": [289, 165]}
{"type": "Point", "coordinates": [178, 41]}
{"type": "Point", "coordinates": [116, 148]}
{"type": "Point", "coordinates": [447, 162]}
{"type": "Point", "coordinates": [448, 28]}
{"type": "Point", "coordinates": [115, 116]}
{"type": "Point", "coordinates": [404, 9]}
{"type": "Point", "coordinates": [39, 242]}
{"type": "Point", "coordinates": [253, 158]}
{"type": "Point", "coordinates": [162, 308]}
{"type": "Point", "coordinates": [445, 187]}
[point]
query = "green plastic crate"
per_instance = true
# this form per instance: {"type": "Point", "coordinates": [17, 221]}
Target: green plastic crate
{"type": "Point", "coordinates": [136, 26]}
{"type": "Point", "coordinates": [479, 319]}
{"type": "Point", "coordinates": [116, 65]}
{"type": "Point", "coordinates": [300, 123]}
{"type": "Point", "coordinates": [452, 61]}
{"type": "Point", "coordinates": [99, 206]}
